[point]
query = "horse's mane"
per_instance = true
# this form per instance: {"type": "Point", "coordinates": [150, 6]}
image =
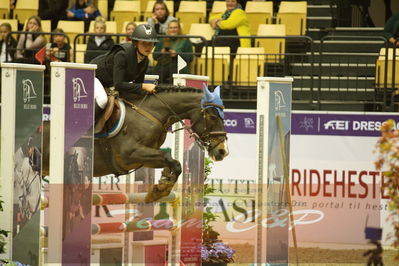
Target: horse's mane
{"type": "Point", "coordinates": [166, 88]}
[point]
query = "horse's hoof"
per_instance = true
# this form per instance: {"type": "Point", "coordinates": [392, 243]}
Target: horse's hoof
{"type": "Point", "coordinates": [157, 192]}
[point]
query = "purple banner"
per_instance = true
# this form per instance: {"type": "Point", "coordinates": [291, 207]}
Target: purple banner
{"type": "Point", "coordinates": [240, 122]}
{"type": "Point", "coordinates": [78, 100]}
{"type": "Point", "coordinates": [340, 124]}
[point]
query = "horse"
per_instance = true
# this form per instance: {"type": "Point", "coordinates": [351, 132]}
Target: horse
{"type": "Point", "coordinates": [144, 130]}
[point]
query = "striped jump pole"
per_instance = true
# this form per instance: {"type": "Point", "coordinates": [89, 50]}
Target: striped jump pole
{"type": "Point", "coordinates": [71, 163]}
{"type": "Point", "coordinates": [132, 226]}
{"type": "Point", "coordinates": [21, 140]}
{"type": "Point", "coordinates": [101, 199]}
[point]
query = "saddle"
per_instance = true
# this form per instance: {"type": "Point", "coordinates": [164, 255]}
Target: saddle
{"type": "Point", "coordinates": [111, 114]}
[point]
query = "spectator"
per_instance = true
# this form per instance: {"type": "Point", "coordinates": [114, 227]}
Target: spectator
{"type": "Point", "coordinates": [166, 52]}
{"type": "Point", "coordinates": [232, 22]}
{"type": "Point", "coordinates": [60, 50]}
{"type": "Point", "coordinates": [98, 44]}
{"type": "Point", "coordinates": [30, 43]}
{"type": "Point", "coordinates": [9, 46]}
{"type": "Point", "coordinates": [160, 17]}
{"type": "Point", "coordinates": [391, 29]}
{"type": "Point", "coordinates": [130, 27]}
{"type": "Point", "coordinates": [83, 10]}
{"type": "Point", "coordinates": [54, 10]}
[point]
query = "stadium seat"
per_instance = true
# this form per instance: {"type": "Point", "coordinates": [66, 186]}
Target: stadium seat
{"type": "Point", "coordinates": [4, 9]}
{"type": "Point", "coordinates": [80, 53]}
{"type": "Point", "coordinates": [258, 13]}
{"type": "Point", "coordinates": [222, 63]}
{"type": "Point", "coordinates": [202, 29]}
{"type": "Point", "coordinates": [248, 65]}
{"type": "Point", "coordinates": [24, 9]}
{"type": "Point", "coordinates": [125, 11]}
{"type": "Point", "coordinates": [218, 7]}
{"type": "Point", "coordinates": [72, 28]}
{"type": "Point", "coordinates": [13, 23]}
{"type": "Point", "coordinates": [293, 15]}
{"type": "Point", "coordinates": [274, 48]}
{"type": "Point", "coordinates": [111, 27]}
{"type": "Point", "coordinates": [380, 69]}
{"type": "Point", "coordinates": [102, 6]}
{"type": "Point", "coordinates": [126, 22]}
{"type": "Point", "coordinates": [191, 12]}
{"type": "Point", "coordinates": [150, 5]}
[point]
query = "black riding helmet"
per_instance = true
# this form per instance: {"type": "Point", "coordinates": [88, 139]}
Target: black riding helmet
{"type": "Point", "coordinates": [146, 33]}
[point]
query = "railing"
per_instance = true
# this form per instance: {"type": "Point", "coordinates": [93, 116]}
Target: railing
{"type": "Point", "coordinates": [321, 76]}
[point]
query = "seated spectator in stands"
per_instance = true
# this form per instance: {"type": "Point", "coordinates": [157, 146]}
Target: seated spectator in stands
{"type": "Point", "coordinates": [30, 43]}
{"type": "Point", "coordinates": [54, 10]}
{"type": "Point", "coordinates": [99, 44]}
{"type": "Point", "coordinates": [233, 21]}
{"type": "Point", "coordinates": [83, 10]}
{"type": "Point", "coordinates": [391, 30]}
{"type": "Point", "coordinates": [130, 27]}
{"type": "Point", "coordinates": [60, 50]}
{"type": "Point", "coordinates": [166, 52]}
{"type": "Point", "coordinates": [9, 46]}
{"type": "Point", "coordinates": [160, 17]}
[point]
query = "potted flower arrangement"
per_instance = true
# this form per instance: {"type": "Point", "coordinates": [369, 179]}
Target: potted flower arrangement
{"type": "Point", "coordinates": [214, 252]}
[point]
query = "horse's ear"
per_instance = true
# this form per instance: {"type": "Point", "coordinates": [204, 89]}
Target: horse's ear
{"type": "Point", "coordinates": [217, 91]}
{"type": "Point", "coordinates": [208, 96]}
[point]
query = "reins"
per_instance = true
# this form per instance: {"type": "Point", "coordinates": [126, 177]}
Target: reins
{"type": "Point", "coordinates": [198, 139]}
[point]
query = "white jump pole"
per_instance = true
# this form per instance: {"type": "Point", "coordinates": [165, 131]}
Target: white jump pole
{"type": "Point", "coordinates": [21, 117]}
{"type": "Point", "coordinates": [187, 242]}
{"type": "Point", "coordinates": [273, 106]}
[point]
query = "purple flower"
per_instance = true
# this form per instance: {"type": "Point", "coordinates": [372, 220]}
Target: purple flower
{"type": "Point", "coordinates": [217, 252]}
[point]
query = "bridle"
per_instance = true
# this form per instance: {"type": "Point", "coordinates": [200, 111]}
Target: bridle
{"type": "Point", "coordinates": [203, 140]}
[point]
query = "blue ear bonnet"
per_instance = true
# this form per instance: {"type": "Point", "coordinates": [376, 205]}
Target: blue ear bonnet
{"type": "Point", "coordinates": [214, 99]}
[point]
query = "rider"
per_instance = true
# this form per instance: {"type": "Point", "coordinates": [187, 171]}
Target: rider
{"type": "Point", "coordinates": [124, 67]}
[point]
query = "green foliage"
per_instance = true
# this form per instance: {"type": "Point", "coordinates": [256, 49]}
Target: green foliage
{"type": "Point", "coordinates": [3, 233]}
{"type": "Point", "coordinates": [388, 163]}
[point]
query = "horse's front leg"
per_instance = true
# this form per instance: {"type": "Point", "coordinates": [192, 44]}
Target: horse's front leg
{"type": "Point", "coordinates": [153, 158]}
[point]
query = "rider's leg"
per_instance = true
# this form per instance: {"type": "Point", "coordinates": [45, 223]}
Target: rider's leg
{"type": "Point", "coordinates": [100, 95]}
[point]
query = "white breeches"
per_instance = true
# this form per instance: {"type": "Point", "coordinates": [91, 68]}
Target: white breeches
{"type": "Point", "coordinates": [99, 94]}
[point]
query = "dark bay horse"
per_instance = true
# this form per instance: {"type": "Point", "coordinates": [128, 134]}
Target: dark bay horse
{"type": "Point", "coordinates": [138, 143]}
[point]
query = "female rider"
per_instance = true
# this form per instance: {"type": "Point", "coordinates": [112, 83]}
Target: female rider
{"type": "Point", "coordinates": [124, 67]}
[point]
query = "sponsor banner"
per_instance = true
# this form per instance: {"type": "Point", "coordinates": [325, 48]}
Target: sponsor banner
{"type": "Point", "coordinates": [27, 166]}
{"type": "Point", "coordinates": [240, 122]}
{"type": "Point", "coordinates": [334, 183]}
{"type": "Point", "coordinates": [78, 165]}
{"type": "Point", "coordinates": [340, 124]}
